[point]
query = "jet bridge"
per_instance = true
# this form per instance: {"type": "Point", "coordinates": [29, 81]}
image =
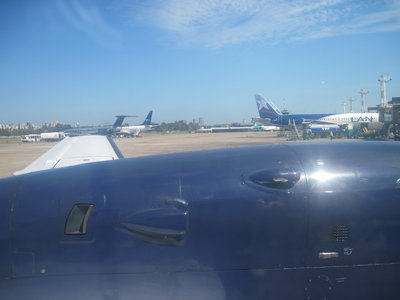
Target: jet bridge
{"type": "Point", "coordinates": [389, 115]}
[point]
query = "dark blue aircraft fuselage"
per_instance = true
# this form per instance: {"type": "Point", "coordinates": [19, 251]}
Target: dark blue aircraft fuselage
{"type": "Point", "coordinates": [305, 221]}
{"type": "Point", "coordinates": [297, 118]}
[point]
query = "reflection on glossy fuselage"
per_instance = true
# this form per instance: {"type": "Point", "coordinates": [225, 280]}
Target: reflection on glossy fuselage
{"type": "Point", "coordinates": [263, 222]}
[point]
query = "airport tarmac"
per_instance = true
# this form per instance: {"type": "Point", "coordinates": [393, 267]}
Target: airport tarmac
{"type": "Point", "coordinates": [16, 156]}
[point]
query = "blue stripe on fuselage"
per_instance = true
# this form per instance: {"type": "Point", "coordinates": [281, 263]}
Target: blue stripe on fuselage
{"type": "Point", "coordinates": [284, 119]}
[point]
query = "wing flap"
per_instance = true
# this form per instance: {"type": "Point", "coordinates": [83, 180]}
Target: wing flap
{"type": "Point", "coordinates": [73, 151]}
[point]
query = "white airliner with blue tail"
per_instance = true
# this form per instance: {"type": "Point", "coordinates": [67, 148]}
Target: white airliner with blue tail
{"type": "Point", "coordinates": [134, 130]}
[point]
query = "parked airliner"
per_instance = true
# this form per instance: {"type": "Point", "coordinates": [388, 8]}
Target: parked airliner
{"type": "Point", "coordinates": [268, 111]}
{"type": "Point", "coordinates": [134, 130]}
{"type": "Point", "coordinates": [103, 130]}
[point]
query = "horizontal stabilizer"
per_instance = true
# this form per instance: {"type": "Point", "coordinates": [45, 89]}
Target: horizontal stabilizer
{"type": "Point", "coordinates": [263, 121]}
{"type": "Point", "coordinates": [120, 119]}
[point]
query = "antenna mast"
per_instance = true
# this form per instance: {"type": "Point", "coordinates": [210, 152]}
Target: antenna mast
{"type": "Point", "coordinates": [383, 81]}
{"type": "Point", "coordinates": [344, 104]}
{"type": "Point", "coordinates": [351, 100]}
{"type": "Point", "coordinates": [363, 106]}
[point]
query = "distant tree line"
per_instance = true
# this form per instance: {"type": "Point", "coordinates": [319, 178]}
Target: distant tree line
{"type": "Point", "coordinates": [177, 126]}
{"type": "Point", "coordinates": [44, 128]}
{"type": "Point", "coordinates": [10, 132]}
{"type": "Point", "coordinates": [58, 127]}
{"type": "Point", "coordinates": [180, 126]}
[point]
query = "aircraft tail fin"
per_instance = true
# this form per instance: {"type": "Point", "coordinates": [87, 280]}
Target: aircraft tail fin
{"type": "Point", "coordinates": [147, 121]}
{"type": "Point", "coordinates": [267, 109]}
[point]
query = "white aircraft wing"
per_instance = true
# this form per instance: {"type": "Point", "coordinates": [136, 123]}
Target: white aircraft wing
{"type": "Point", "coordinates": [73, 151]}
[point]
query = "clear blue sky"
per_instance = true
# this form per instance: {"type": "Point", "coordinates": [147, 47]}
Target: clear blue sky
{"type": "Point", "coordinates": [86, 61]}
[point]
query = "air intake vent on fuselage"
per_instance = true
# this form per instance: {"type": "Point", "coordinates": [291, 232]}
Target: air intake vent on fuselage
{"type": "Point", "coordinates": [340, 233]}
{"type": "Point", "coordinates": [77, 219]}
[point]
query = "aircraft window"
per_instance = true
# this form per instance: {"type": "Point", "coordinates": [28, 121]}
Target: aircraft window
{"type": "Point", "coordinates": [78, 218]}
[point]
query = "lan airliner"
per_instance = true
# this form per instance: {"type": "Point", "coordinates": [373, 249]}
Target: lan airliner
{"type": "Point", "coordinates": [270, 113]}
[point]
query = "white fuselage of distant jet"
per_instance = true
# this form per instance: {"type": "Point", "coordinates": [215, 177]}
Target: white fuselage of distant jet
{"type": "Point", "coordinates": [132, 130]}
{"type": "Point", "coordinates": [349, 118]}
